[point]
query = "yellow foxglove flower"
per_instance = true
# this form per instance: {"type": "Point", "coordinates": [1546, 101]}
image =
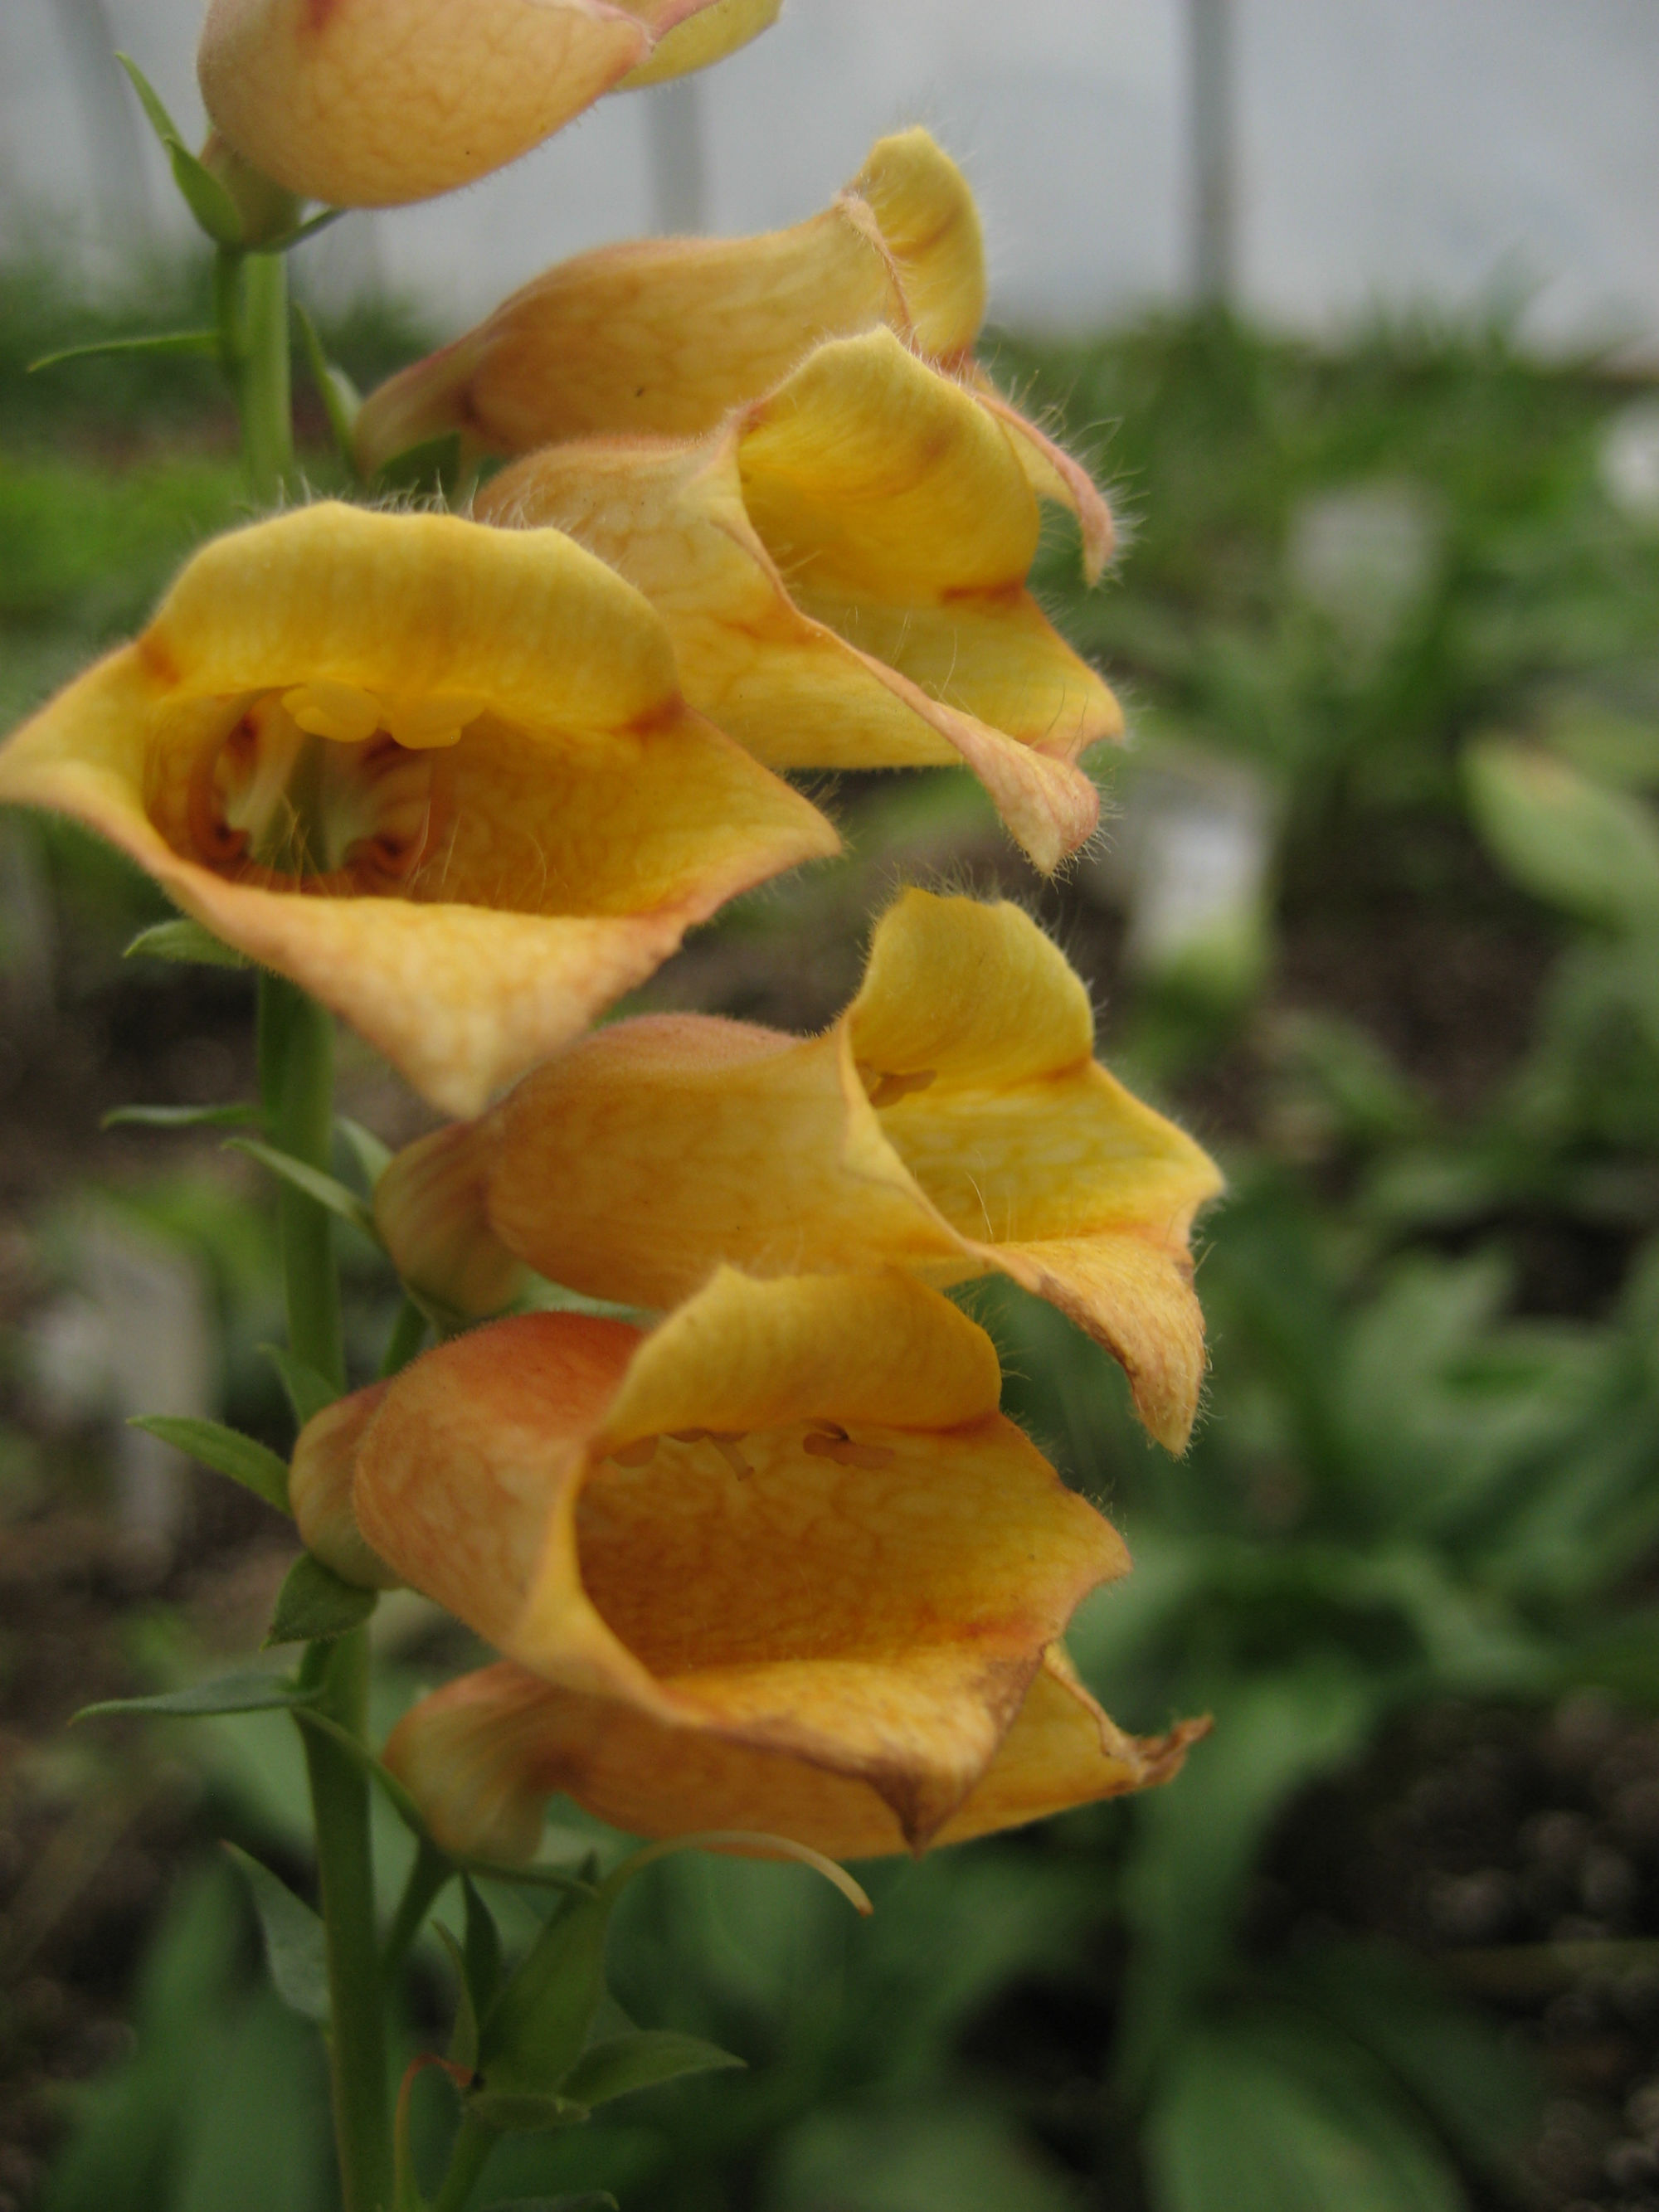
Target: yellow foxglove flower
{"type": "Point", "coordinates": [369, 103]}
{"type": "Point", "coordinates": [953, 1120]}
{"type": "Point", "coordinates": [781, 1558]}
{"type": "Point", "coordinates": [842, 569]}
{"type": "Point", "coordinates": [440, 775]}
{"type": "Point", "coordinates": [664, 336]}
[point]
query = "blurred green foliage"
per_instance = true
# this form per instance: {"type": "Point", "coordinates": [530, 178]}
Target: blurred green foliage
{"type": "Point", "coordinates": [1394, 591]}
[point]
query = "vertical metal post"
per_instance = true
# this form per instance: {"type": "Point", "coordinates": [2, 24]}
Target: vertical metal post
{"type": "Point", "coordinates": [674, 125]}
{"type": "Point", "coordinates": [1209, 33]}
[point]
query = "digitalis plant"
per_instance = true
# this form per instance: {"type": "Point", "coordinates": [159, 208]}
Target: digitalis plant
{"type": "Point", "coordinates": [767, 1567]}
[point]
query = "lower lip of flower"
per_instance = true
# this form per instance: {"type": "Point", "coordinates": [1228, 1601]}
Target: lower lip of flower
{"type": "Point", "coordinates": [323, 789]}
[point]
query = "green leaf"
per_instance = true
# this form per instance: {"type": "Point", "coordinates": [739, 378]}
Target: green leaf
{"type": "Point", "coordinates": [622, 2063]}
{"type": "Point", "coordinates": [178, 1117]}
{"type": "Point", "coordinates": [309, 228]}
{"type": "Point", "coordinates": [1578, 844]}
{"type": "Point", "coordinates": [483, 1951]}
{"type": "Point", "coordinates": [227, 1451]}
{"type": "Point", "coordinates": [1253, 2117]}
{"type": "Point", "coordinates": [203, 195]}
{"type": "Point", "coordinates": [339, 395]}
{"type": "Point", "coordinates": [184, 939]}
{"type": "Point", "coordinates": [536, 2029]}
{"type": "Point", "coordinates": [402, 1803]}
{"type": "Point", "coordinates": [247, 1690]}
{"type": "Point", "coordinates": [372, 1158]}
{"type": "Point", "coordinates": [521, 2111]}
{"type": "Point", "coordinates": [325, 1189]}
{"type": "Point", "coordinates": [296, 1948]}
{"type": "Point", "coordinates": [315, 1603]}
{"type": "Point", "coordinates": [162, 342]}
{"type": "Point", "coordinates": [1457, 2064]}
{"type": "Point", "coordinates": [463, 2036]}
{"type": "Point", "coordinates": [309, 1392]}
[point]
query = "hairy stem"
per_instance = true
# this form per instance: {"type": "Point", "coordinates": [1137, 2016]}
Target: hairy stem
{"type": "Point", "coordinates": [296, 1084]}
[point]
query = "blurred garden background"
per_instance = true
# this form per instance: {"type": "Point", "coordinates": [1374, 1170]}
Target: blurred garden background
{"type": "Point", "coordinates": [1375, 915]}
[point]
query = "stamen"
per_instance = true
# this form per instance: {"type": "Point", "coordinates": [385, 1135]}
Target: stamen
{"type": "Point", "coordinates": [828, 1440]}
{"type": "Point", "coordinates": [425, 723]}
{"type": "Point", "coordinates": [726, 1443]}
{"type": "Point", "coordinates": [886, 1090]}
{"type": "Point", "coordinates": [339, 711]}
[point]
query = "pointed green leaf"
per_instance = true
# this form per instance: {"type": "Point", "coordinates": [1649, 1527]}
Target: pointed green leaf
{"type": "Point", "coordinates": [227, 1451]}
{"type": "Point", "coordinates": [339, 395]}
{"type": "Point", "coordinates": [1578, 844]}
{"type": "Point", "coordinates": [463, 2036]}
{"type": "Point", "coordinates": [522, 2111]}
{"type": "Point", "coordinates": [401, 1803]}
{"type": "Point", "coordinates": [327, 1189]}
{"type": "Point", "coordinates": [296, 1948]}
{"type": "Point", "coordinates": [314, 1604]}
{"type": "Point", "coordinates": [535, 2031]}
{"type": "Point", "coordinates": [179, 1117]}
{"type": "Point", "coordinates": [623, 2063]}
{"type": "Point", "coordinates": [247, 1690]}
{"type": "Point", "coordinates": [309, 1392]}
{"type": "Point", "coordinates": [162, 342]}
{"type": "Point", "coordinates": [302, 231]}
{"type": "Point", "coordinates": [205, 197]}
{"type": "Point", "coordinates": [483, 1950]}
{"type": "Point", "coordinates": [184, 939]}
{"type": "Point", "coordinates": [371, 1157]}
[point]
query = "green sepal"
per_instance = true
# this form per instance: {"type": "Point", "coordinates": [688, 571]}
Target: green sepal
{"type": "Point", "coordinates": [302, 231]}
{"type": "Point", "coordinates": [158, 342]}
{"type": "Point", "coordinates": [203, 194]}
{"type": "Point", "coordinates": [179, 1117]}
{"type": "Point", "coordinates": [339, 395]}
{"type": "Point", "coordinates": [184, 939]}
{"type": "Point", "coordinates": [464, 2035]}
{"type": "Point", "coordinates": [307, 1391]}
{"type": "Point", "coordinates": [327, 1189]}
{"type": "Point", "coordinates": [535, 2031]}
{"type": "Point", "coordinates": [619, 2065]}
{"type": "Point", "coordinates": [523, 2112]}
{"type": "Point", "coordinates": [296, 1946]}
{"type": "Point", "coordinates": [227, 1451]}
{"type": "Point", "coordinates": [245, 1690]}
{"type": "Point", "coordinates": [482, 1953]}
{"type": "Point", "coordinates": [315, 1604]}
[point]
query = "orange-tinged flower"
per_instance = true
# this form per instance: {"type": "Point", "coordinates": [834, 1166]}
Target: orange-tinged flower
{"type": "Point", "coordinates": [369, 103]}
{"type": "Point", "coordinates": [842, 569]}
{"type": "Point", "coordinates": [465, 747]}
{"type": "Point", "coordinates": [785, 1546]}
{"type": "Point", "coordinates": [953, 1120]}
{"type": "Point", "coordinates": [665, 336]}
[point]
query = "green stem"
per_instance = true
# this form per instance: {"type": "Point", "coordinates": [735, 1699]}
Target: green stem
{"type": "Point", "coordinates": [296, 1083]}
{"type": "Point", "coordinates": [466, 2162]}
{"type": "Point", "coordinates": [408, 1335]}
{"type": "Point", "coordinates": [430, 1871]}
{"type": "Point", "coordinates": [357, 2046]}
{"type": "Point", "coordinates": [250, 298]}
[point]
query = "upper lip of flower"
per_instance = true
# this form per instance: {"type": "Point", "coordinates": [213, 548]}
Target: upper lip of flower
{"type": "Point", "coordinates": [843, 568]}
{"type": "Point", "coordinates": [477, 753]}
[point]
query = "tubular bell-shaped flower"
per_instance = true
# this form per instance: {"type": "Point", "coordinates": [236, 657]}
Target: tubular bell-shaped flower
{"type": "Point", "coordinates": [440, 775]}
{"type": "Point", "coordinates": [780, 1563]}
{"type": "Point", "coordinates": [954, 1120]}
{"type": "Point", "coordinates": [842, 568]}
{"type": "Point", "coordinates": [369, 103]}
{"type": "Point", "coordinates": [665, 337]}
